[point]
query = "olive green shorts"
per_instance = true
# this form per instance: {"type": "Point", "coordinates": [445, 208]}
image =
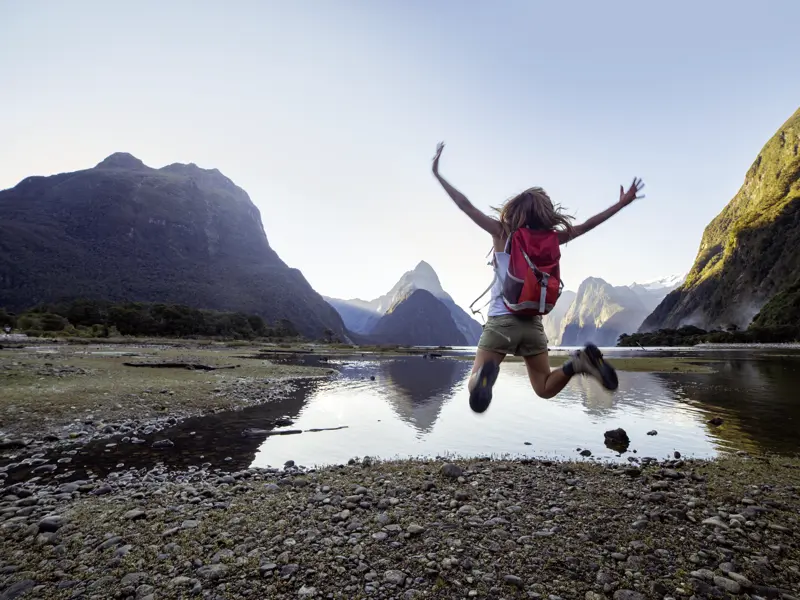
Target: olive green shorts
{"type": "Point", "coordinates": [514, 334]}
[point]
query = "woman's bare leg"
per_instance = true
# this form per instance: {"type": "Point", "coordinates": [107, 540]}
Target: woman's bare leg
{"type": "Point", "coordinates": [481, 357]}
{"type": "Point", "coordinates": [546, 383]}
{"type": "Point", "coordinates": [484, 373]}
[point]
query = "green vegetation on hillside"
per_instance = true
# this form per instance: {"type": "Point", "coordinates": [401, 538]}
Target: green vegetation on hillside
{"type": "Point", "coordinates": [750, 252]}
{"type": "Point", "coordinates": [784, 307]}
{"type": "Point", "coordinates": [93, 318]}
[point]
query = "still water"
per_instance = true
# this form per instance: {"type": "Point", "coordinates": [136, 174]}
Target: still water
{"type": "Point", "coordinates": [412, 406]}
{"type": "Point", "coordinates": [419, 407]}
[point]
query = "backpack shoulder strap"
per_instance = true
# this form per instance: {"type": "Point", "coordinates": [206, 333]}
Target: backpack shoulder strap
{"type": "Point", "coordinates": [486, 291]}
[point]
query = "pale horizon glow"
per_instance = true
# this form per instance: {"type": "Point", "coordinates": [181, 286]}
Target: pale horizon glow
{"type": "Point", "coordinates": [328, 114]}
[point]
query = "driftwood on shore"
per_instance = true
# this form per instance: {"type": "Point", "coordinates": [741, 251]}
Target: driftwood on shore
{"type": "Point", "coordinates": [179, 365]}
{"type": "Point", "coordinates": [256, 432]}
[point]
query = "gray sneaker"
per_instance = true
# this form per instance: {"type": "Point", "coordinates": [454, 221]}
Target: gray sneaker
{"type": "Point", "coordinates": [589, 361]}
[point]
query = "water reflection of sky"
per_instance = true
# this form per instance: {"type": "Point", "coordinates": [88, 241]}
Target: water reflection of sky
{"type": "Point", "coordinates": [418, 407]}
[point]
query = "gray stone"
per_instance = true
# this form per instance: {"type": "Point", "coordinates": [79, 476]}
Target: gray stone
{"type": "Point", "coordinates": [136, 513]}
{"type": "Point", "coordinates": [52, 523]}
{"type": "Point", "coordinates": [728, 585]}
{"type": "Point", "coordinates": [604, 578]}
{"type": "Point", "coordinates": [513, 580]}
{"type": "Point", "coordinates": [289, 570]}
{"type": "Point", "coordinates": [394, 577]}
{"type": "Point", "coordinates": [618, 556]}
{"type": "Point", "coordinates": [628, 595]}
{"type": "Point", "coordinates": [415, 529]}
{"type": "Point", "coordinates": [212, 572]}
{"type": "Point", "coordinates": [704, 574]}
{"type": "Point", "coordinates": [740, 579]}
{"type": "Point", "coordinates": [104, 582]}
{"type": "Point", "coordinates": [133, 578]}
{"type": "Point", "coordinates": [267, 568]}
{"type": "Point", "coordinates": [110, 543]}
{"type": "Point", "coordinates": [715, 522]}
{"type": "Point", "coordinates": [452, 471]}
{"type": "Point", "coordinates": [18, 588]}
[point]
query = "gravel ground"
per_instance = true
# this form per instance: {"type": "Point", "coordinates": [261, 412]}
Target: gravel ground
{"type": "Point", "coordinates": [497, 529]}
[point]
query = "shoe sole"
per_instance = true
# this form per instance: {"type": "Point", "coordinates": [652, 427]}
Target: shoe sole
{"type": "Point", "coordinates": [600, 368]}
{"type": "Point", "coordinates": [481, 396]}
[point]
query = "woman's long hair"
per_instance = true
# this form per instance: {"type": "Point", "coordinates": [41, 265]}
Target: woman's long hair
{"type": "Point", "coordinates": [533, 209]}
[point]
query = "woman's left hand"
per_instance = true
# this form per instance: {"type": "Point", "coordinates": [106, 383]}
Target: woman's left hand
{"type": "Point", "coordinates": [632, 194]}
{"type": "Point", "coordinates": [439, 148]}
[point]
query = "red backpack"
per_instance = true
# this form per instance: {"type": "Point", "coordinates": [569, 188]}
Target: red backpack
{"type": "Point", "coordinates": [532, 284]}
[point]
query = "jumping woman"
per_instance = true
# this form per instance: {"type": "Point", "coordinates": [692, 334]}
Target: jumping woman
{"type": "Point", "coordinates": [526, 235]}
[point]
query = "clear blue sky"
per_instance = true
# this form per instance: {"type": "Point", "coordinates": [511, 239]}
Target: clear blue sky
{"type": "Point", "coordinates": [328, 113]}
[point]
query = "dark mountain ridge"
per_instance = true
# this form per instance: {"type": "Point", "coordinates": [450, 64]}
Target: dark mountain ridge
{"type": "Point", "coordinates": [123, 231]}
{"type": "Point", "coordinates": [419, 319]}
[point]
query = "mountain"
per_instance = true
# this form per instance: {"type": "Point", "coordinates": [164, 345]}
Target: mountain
{"type": "Point", "coordinates": [358, 315]}
{"type": "Point", "coordinates": [553, 322]}
{"type": "Point", "coordinates": [651, 293]}
{"type": "Point", "coordinates": [420, 319]}
{"type": "Point", "coordinates": [750, 252]}
{"type": "Point", "coordinates": [124, 231]}
{"type": "Point", "coordinates": [600, 313]}
{"type": "Point", "coordinates": [670, 282]}
{"type": "Point", "coordinates": [361, 316]}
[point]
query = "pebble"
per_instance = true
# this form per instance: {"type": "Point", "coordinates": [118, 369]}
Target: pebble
{"type": "Point", "coordinates": [212, 572]}
{"type": "Point", "coordinates": [715, 522]}
{"type": "Point", "coordinates": [740, 579]}
{"type": "Point", "coordinates": [52, 523]}
{"type": "Point", "coordinates": [628, 595]}
{"type": "Point", "coordinates": [513, 580]}
{"type": "Point", "coordinates": [452, 471]}
{"type": "Point", "coordinates": [727, 584]}
{"type": "Point", "coordinates": [394, 577]}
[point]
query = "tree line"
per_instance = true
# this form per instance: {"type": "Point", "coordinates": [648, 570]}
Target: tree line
{"type": "Point", "coordinates": [98, 318]}
{"type": "Point", "coordinates": [691, 336]}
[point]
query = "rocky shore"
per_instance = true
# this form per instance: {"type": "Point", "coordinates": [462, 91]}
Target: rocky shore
{"type": "Point", "coordinates": [412, 529]}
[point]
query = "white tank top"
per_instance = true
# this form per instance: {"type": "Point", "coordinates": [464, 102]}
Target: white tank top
{"type": "Point", "coordinates": [496, 305]}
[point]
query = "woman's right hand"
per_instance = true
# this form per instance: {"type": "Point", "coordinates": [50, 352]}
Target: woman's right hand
{"type": "Point", "coordinates": [439, 148]}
